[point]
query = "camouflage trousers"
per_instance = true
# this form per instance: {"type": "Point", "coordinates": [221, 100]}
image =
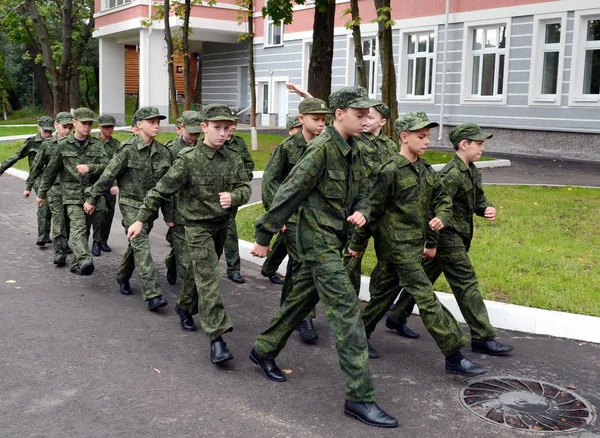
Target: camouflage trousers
{"type": "Point", "coordinates": [79, 224]}
{"type": "Point", "coordinates": [59, 230]}
{"type": "Point", "coordinates": [293, 266]}
{"type": "Point", "coordinates": [232, 249]}
{"type": "Point", "coordinates": [176, 259]}
{"type": "Point", "coordinates": [326, 281]}
{"type": "Point", "coordinates": [44, 219]}
{"type": "Point", "coordinates": [354, 268]}
{"type": "Point", "coordinates": [138, 256]}
{"type": "Point", "coordinates": [103, 217]}
{"type": "Point", "coordinates": [275, 257]}
{"type": "Point", "coordinates": [454, 263]}
{"type": "Point", "coordinates": [388, 278]}
{"type": "Point", "coordinates": [201, 284]}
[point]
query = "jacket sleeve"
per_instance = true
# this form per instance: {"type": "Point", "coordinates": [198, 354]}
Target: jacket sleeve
{"type": "Point", "coordinates": [54, 167]}
{"type": "Point", "coordinates": [246, 157]}
{"type": "Point", "coordinates": [240, 194]}
{"type": "Point", "coordinates": [37, 168]}
{"type": "Point", "coordinates": [272, 176]}
{"type": "Point", "coordinates": [115, 167]}
{"type": "Point", "coordinates": [18, 155]}
{"type": "Point", "coordinates": [441, 202]}
{"type": "Point", "coordinates": [481, 202]}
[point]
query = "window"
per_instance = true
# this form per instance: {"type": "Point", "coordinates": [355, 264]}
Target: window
{"type": "Point", "coordinates": [591, 68]}
{"type": "Point", "coordinates": [547, 62]}
{"type": "Point", "coordinates": [307, 47]}
{"type": "Point", "coordinates": [419, 64]}
{"type": "Point", "coordinates": [273, 33]}
{"type": "Point", "coordinates": [584, 87]}
{"type": "Point", "coordinates": [114, 3]}
{"type": "Point", "coordinates": [370, 57]}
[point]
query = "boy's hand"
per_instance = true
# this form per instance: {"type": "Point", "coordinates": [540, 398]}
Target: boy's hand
{"type": "Point", "coordinates": [26, 193]}
{"type": "Point", "coordinates": [436, 224]}
{"type": "Point", "coordinates": [259, 250]}
{"type": "Point", "coordinates": [134, 230]}
{"type": "Point", "coordinates": [429, 253]}
{"type": "Point", "coordinates": [114, 190]}
{"type": "Point", "coordinates": [89, 208]}
{"type": "Point", "coordinates": [170, 224]}
{"type": "Point", "coordinates": [354, 254]}
{"type": "Point", "coordinates": [283, 229]}
{"type": "Point", "coordinates": [82, 168]}
{"type": "Point", "coordinates": [225, 199]}
{"type": "Point", "coordinates": [357, 219]}
{"type": "Point", "coordinates": [39, 201]}
{"type": "Point", "coordinates": [490, 214]}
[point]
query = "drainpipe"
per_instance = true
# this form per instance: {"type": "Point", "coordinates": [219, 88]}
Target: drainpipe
{"type": "Point", "coordinates": [441, 130]}
{"type": "Point", "coordinates": [150, 2]}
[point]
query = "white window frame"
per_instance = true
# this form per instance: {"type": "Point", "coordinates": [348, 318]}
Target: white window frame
{"type": "Point", "coordinates": [351, 66]}
{"type": "Point", "coordinates": [467, 64]}
{"type": "Point", "coordinates": [306, 49]}
{"type": "Point", "coordinates": [118, 3]}
{"type": "Point", "coordinates": [269, 32]}
{"type": "Point", "coordinates": [538, 48]}
{"type": "Point", "coordinates": [576, 96]}
{"type": "Point", "coordinates": [403, 96]}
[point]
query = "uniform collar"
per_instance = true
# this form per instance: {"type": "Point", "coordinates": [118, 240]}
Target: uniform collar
{"type": "Point", "coordinates": [208, 151]}
{"type": "Point", "coordinates": [344, 146]}
{"type": "Point", "coordinates": [461, 164]}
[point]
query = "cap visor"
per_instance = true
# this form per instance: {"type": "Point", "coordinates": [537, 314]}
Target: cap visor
{"type": "Point", "coordinates": [193, 129]}
{"type": "Point", "coordinates": [85, 119]}
{"type": "Point", "coordinates": [424, 125]}
{"type": "Point", "coordinates": [155, 117]}
{"type": "Point", "coordinates": [481, 137]}
{"type": "Point", "coordinates": [221, 119]}
{"type": "Point", "coordinates": [363, 103]}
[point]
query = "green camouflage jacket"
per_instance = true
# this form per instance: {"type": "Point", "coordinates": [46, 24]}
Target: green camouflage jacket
{"type": "Point", "coordinates": [40, 163]}
{"type": "Point", "coordinates": [378, 149]}
{"type": "Point", "coordinates": [175, 146]}
{"type": "Point", "coordinates": [403, 199]}
{"type": "Point", "coordinates": [463, 185]}
{"type": "Point", "coordinates": [69, 153]}
{"type": "Point", "coordinates": [198, 176]}
{"type": "Point", "coordinates": [237, 143]}
{"type": "Point", "coordinates": [282, 161]}
{"type": "Point", "coordinates": [137, 168]}
{"type": "Point", "coordinates": [29, 149]}
{"type": "Point", "coordinates": [326, 186]}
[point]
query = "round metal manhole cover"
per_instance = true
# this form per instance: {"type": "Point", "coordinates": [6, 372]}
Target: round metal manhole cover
{"type": "Point", "coordinates": [526, 404]}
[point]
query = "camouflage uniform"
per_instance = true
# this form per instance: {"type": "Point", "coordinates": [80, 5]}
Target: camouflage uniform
{"type": "Point", "coordinates": [69, 153]}
{"type": "Point", "coordinates": [136, 168]}
{"type": "Point", "coordinates": [60, 231]}
{"type": "Point", "coordinates": [232, 249]}
{"type": "Point", "coordinates": [29, 149]}
{"type": "Point", "coordinates": [463, 185]}
{"type": "Point", "coordinates": [275, 257]}
{"type": "Point", "coordinates": [198, 176]}
{"type": "Point", "coordinates": [401, 202]}
{"type": "Point", "coordinates": [105, 210]}
{"type": "Point", "coordinates": [325, 187]}
{"type": "Point", "coordinates": [292, 122]}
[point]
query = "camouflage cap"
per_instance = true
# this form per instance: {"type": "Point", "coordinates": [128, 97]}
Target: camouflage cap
{"type": "Point", "coordinates": [191, 122]}
{"type": "Point", "coordinates": [413, 121]}
{"type": "Point", "coordinates": [292, 122]}
{"type": "Point", "coordinates": [46, 123]}
{"type": "Point", "coordinates": [106, 120]}
{"type": "Point", "coordinates": [64, 118]}
{"type": "Point", "coordinates": [468, 131]}
{"type": "Point", "coordinates": [83, 115]}
{"type": "Point", "coordinates": [217, 111]}
{"type": "Point", "coordinates": [313, 106]}
{"type": "Point", "coordinates": [133, 121]}
{"type": "Point", "coordinates": [146, 113]}
{"type": "Point", "coordinates": [178, 122]}
{"type": "Point", "coordinates": [384, 110]}
{"type": "Point", "coordinates": [350, 97]}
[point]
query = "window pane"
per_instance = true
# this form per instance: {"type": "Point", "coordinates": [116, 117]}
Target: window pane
{"type": "Point", "coordinates": [502, 39]}
{"type": "Point", "coordinates": [409, 77]}
{"type": "Point", "coordinates": [487, 74]}
{"type": "Point", "coordinates": [431, 42]}
{"type": "Point", "coordinates": [429, 89]}
{"type": "Point", "coordinates": [478, 39]}
{"type": "Point", "coordinates": [412, 40]}
{"type": "Point", "coordinates": [368, 74]}
{"type": "Point", "coordinates": [423, 43]}
{"type": "Point", "coordinates": [371, 79]}
{"type": "Point", "coordinates": [501, 74]}
{"type": "Point", "coordinates": [366, 47]}
{"type": "Point", "coordinates": [265, 98]}
{"type": "Point", "coordinates": [475, 86]}
{"type": "Point", "coordinates": [491, 38]}
{"type": "Point", "coordinates": [552, 33]}
{"type": "Point", "coordinates": [277, 30]}
{"type": "Point", "coordinates": [593, 32]}
{"type": "Point", "coordinates": [591, 75]}
{"type": "Point", "coordinates": [420, 76]}
{"type": "Point", "coordinates": [550, 73]}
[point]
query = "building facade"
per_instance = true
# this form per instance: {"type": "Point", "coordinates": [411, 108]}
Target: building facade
{"type": "Point", "coordinates": [527, 70]}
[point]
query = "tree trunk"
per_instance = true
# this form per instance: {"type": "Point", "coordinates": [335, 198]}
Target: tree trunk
{"type": "Point", "coordinates": [251, 71]}
{"type": "Point", "coordinates": [388, 71]}
{"type": "Point", "coordinates": [74, 89]}
{"type": "Point", "coordinates": [321, 57]}
{"type": "Point", "coordinates": [42, 86]}
{"type": "Point", "coordinates": [61, 98]}
{"type": "Point", "coordinates": [361, 79]}
{"type": "Point", "coordinates": [198, 88]}
{"type": "Point", "coordinates": [169, 40]}
{"type": "Point", "coordinates": [186, 56]}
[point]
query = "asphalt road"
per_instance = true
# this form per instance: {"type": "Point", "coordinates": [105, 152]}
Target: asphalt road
{"type": "Point", "coordinates": [80, 360]}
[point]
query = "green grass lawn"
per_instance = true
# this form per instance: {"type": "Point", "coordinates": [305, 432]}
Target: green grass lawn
{"type": "Point", "coordinates": [543, 250]}
{"type": "Point", "coordinates": [19, 130]}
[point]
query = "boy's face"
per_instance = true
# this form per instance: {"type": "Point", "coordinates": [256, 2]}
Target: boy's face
{"type": "Point", "coordinates": [352, 121]}
{"type": "Point", "coordinates": [313, 123]}
{"type": "Point", "coordinates": [216, 132]}
{"type": "Point", "coordinates": [106, 131]}
{"type": "Point", "coordinates": [415, 142]}
{"type": "Point", "coordinates": [45, 134]}
{"type": "Point", "coordinates": [62, 130]}
{"type": "Point", "coordinates": [82, 129]}
{"type": "Point", "coordinates": [232, 130]}
{"type": "Point", "coordinates": [472, 152]}
{"type": "Point", "coordinates": [188, 138]}
{"type": "Point", "coordinates": [375, 121]}
{"type": "Point", "coordinates": [150, 127]}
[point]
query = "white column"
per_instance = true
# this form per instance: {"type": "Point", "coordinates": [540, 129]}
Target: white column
{"type": "Point", "coordinates": [112, 79]}
{"type": "Point", "coordinates": [154, 76]}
